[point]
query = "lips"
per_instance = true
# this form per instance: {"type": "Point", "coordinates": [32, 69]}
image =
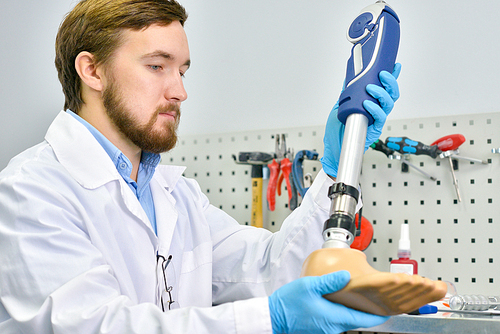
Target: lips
{"type": "Point", "coordinates": [169, 109]}
{"type": "Point", "coordinates": [172, 114]}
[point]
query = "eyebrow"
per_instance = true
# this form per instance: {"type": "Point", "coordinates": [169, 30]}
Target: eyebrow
{"type": "Point", "coordinates": [165, 55]}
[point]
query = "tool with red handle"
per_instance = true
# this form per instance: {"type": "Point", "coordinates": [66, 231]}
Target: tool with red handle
{"type": "Point", "coordinates": [286, 169]}
{"type": "Point", "coordinates": [405, 145]}
{"type": "Point", "coordinates": [274, 170]}
{"type": "Point", "coordinates": [280, 164]}
{"type": "Point", "coordinates": [448, 145]}
{"type": "Point", "coordinates": [450, 142]}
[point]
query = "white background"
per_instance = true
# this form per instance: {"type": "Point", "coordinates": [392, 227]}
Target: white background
{"type": "Point", "coordinates": [266, 64]}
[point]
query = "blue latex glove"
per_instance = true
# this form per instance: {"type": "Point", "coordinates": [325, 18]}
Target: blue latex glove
{"type": "Point", "coordinates": [334, 132]}
{"type": "Point", "coordinates": [299, 307]}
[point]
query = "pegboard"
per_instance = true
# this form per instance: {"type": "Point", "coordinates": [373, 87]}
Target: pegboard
{"type": "Point", "coordinates": [451, 240]}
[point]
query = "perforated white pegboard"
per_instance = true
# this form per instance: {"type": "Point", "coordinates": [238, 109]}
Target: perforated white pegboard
{"type": "Point", "coordinates": [451, 240]}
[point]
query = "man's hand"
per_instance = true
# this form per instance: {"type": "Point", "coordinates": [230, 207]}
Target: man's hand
{"type": "Point", "coordinates": [334, 132]}
{"type": "Point", "coordinates": [299, 307]}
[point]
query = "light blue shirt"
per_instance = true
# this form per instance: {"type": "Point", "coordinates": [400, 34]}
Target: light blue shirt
{"type": "Point", "coordinates": [147, 167]}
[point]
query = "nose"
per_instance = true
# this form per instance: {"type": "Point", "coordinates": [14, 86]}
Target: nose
{"type": "Point", "coordinates": [175, 91]}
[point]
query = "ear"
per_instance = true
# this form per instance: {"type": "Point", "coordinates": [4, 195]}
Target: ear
{"type": "Point", "coordinates": [88, 71]}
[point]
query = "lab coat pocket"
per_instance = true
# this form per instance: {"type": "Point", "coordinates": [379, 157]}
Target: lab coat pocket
{"type": "Point", "coordinates": [195, 284]}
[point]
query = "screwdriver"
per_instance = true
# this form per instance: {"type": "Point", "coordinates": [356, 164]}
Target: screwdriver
{"type": "Point", "coordinates": [455, 180]}
{"type": "Point", "coordinates": [406, 145]}
{"type": "Point", "coordinates": [380, 146]}
{"type": "Point", "coordinates": [448, 145]}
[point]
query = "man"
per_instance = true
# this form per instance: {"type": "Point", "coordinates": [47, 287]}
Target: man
{"type": "Point", "coordinates": [96, 237]}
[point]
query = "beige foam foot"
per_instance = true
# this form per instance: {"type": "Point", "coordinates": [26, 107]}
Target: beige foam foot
{"type": "Point", "coordinates": [370, 290]}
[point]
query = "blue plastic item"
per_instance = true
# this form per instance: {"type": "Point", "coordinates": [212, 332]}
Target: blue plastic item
{"type": "Point", "coordinates": [334, 131]}
{"type": "Point", "coordinates": [375, 35]}
{"type": "Point", "coordinates": [426, 309]}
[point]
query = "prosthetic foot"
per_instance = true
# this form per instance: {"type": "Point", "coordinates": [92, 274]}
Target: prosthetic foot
{"type": "Point", "coordinates": [370, 290]}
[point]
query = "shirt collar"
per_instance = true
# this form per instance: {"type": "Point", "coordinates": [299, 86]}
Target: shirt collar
{"type": "Point", "coordinates": [149, 161]}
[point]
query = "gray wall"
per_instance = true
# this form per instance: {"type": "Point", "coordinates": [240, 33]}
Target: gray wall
{"type": "Point", "coordinates": [266, 64]}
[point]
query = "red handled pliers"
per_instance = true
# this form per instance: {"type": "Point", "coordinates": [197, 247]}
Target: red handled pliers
{"type": "Point", "coordinates": [280, 163]}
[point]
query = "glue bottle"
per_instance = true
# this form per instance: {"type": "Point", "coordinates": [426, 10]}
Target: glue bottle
{"type": "Point", "coordinates": [404, 264]}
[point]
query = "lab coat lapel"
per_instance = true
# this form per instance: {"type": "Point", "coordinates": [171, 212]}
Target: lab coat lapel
{"type": "Point", "coordinates": [88, 163]}
{"type": "Point", "coordinates": [134, 206]}
{"type": "Point", "coordinates": [80, 153]}
{"type": "Point", "coordinates": [162, 185]}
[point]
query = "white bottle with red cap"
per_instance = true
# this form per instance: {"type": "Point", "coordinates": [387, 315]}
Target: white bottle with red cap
{"type": "Point", "coordinates": [404, 264]}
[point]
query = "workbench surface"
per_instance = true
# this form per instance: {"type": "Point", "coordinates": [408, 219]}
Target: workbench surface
{"type": "Point", "coordinates": [441, 322]}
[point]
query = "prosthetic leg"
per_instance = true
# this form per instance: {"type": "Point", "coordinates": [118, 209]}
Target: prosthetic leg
{"type": "Point", "coordinates": [375, 35]}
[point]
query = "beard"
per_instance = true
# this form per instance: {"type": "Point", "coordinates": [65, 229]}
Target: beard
{"type": "Point", "coordinates": [145, 136]}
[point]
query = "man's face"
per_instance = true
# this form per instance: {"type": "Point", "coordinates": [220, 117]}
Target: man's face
{"type": "Point", "coordinates": [144, 89]}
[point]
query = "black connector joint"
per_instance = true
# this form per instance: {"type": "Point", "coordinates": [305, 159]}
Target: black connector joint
{"type": "Point", "coordinates": [341, 189]}
{"type": "Point", "coordinates": [339, 219]}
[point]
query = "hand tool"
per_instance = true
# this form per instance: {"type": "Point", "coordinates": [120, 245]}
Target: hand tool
{"type": "Point", "coordinates": [404, 160]}
{"type": "Point", "coordinates": [289, 156]}
{"type": "Point", "coordinates": [406, 145]}
{"type": "Point", "coordinates": [298, 172]}
{"type": "Point", "coordinates": [294, 199]}
{"type": "Point", "coordinates": [455, 155]}
{"type": "Point", "coordinates": [257, 160]}
{"type": "Point", "coordinates": [447, 143]}
{"type": "Point", "coordinates": [450, 144]}
{"type": "Point", "coordinates": [375, 35]}
{"type": "Point", "coordinates": [292, 190]}
{"type": "Point", "coordinates": [380, 146]}
{"type": "Point", "coordinates": [449, 147]}
{"type": "Point", "coordinates": [452, 168]}
{"type": "Point", "coordinates": [445, 147]}
{"type": "Point", "coordinates": [280, 163]}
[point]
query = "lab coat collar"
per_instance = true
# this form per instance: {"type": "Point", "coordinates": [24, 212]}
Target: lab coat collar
{"type": "Point", "coordinates": [80, 153]}
{"type": "Point", "coordinates": [168, 176]}
{"type": "Point", "coordinates": [87, 162]}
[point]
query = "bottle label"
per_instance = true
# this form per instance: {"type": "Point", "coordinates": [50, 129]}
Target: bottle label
{"type": "Point", "coordinates": [401, 268]}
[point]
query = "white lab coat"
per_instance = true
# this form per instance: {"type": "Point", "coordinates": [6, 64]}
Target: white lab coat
{"type": "Point", "coordinates": [78, 254]}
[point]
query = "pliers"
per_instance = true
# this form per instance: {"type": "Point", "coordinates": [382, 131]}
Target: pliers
{"type": "Point", "coordinates": [281, 162]}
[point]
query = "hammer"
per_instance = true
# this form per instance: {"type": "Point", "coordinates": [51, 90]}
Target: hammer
{"type": "Point", "coordinates": [257, 160]}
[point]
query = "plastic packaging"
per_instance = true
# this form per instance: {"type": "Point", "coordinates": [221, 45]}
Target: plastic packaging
{"type": "Point", "coordinates": [474, 302]}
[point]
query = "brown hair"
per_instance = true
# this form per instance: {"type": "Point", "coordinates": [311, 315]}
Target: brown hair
{"type": "Point", "coordinates": [95, 26]}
